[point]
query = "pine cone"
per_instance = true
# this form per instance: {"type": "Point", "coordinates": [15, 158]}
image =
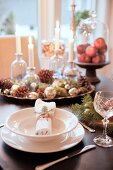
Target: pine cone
{"type": "Point", "coordinates": [5, 84]}
{"type": "Point", "coordinates": [21, 91]}
{"type": "Point", "coordinates": [83, 82]}
{"type": "Point", "coordinates": [40, 92]}
{"type": "Point", "coordinates": [46, 76]}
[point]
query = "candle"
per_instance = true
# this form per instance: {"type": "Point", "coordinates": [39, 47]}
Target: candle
{"type": "Point", "coordinates": [18, 44]}
{"type": "Point", "coordinates": [57, 35]}
{"type": "Point", "coordinates": [73, 2]}
{"type": "Point", "coordinates": [57, 30]}
{"type": "Point", "coordinates": [71, 48]}
{"type": "Point", "coordinates": [31, 52]}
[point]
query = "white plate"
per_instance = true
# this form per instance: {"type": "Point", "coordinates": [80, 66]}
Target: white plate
{"type": "Point", "coordinates": [23, 123]}
{"type": "Point", "coordinates": [21, 143]}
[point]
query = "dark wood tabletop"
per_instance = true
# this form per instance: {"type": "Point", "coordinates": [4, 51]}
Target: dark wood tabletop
{"type": "Point", "coordinates": [97, 159]}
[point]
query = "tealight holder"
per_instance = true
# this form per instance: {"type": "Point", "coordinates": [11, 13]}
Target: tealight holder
{"type": "Point", "coordinates": [70, 71]}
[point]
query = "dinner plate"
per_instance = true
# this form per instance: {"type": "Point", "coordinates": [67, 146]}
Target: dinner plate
{"type": "Point", "coordinates": [23, 122]}
{"type": "Point", "coordinates": [21, 143]}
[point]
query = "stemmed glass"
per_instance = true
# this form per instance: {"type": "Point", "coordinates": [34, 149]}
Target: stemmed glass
{"type": "Point", "coordinates": [103, 104]}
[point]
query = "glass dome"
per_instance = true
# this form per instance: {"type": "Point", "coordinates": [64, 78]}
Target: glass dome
{"type": "Point", "coordinates": [92, 40]}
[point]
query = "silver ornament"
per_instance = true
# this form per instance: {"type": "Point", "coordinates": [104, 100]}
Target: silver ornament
{"type": "Point", "coordinates": [67, 86]}
{"type": "Point", "coordinates": [33, 95]}
{"type": "Point", "coordinates": [73, 91]}
{"type": "Point", "coordinates": [33, 87]}
{"type": "Point", "coordinates": [6, 91]}
{"type": "Point", "coordinates": [50, 92]}
{"type": "Point", "coordinates": [14, 87]}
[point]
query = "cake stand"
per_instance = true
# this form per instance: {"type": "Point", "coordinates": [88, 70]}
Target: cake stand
{"type": "Point", "coordinates": [91, 70]}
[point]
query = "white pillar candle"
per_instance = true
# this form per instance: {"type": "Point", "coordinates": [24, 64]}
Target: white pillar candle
{"type": "Point", "coordinates": [71, 48]}
{"type": "Point", "coordinates": [57, 35]}
{"type": "Point", "coordinates": [57, 31]}
{"type": "Point", "coordinates": [73, 2]}
{"type": "Point", "coordinates": [18, 44]}
{"type": "Point", "coordinates": [31, 52]}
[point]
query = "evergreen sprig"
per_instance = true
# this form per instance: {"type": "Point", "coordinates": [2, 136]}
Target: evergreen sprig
{"type": "Point", "coordinates": [79, 15]}
{"type": "Point", "coordinates": [86, 113]}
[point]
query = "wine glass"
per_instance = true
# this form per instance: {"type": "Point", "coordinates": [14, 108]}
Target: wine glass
{"type": "Point", "coordinates": [103, 104]}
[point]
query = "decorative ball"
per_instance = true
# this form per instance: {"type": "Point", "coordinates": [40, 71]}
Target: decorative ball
{"type": "Point", "coordinates": [6, 91]}
{"type": "Point", "coordinates": [67, 86]}
{"type": "Point", "coordinates": [50, 92]}
{"type": "Point", "coordinates": [57, 83]}
{"type": "Point", "coordinates": [33, 95]}
{"type": "Point", "coordinates": [13, 89]}
{"type": "Point", "coordinates": [87, 111]}
{"type": "Point", "coordinates": [33, 87]}
{"type": "Point", "coordinates": [73, 91]}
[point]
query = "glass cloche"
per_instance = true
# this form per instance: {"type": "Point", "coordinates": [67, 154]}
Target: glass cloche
{"type": "Point", "coordinates": [92, 46]}
{"type": "Point", "coordinates": [92, 40]}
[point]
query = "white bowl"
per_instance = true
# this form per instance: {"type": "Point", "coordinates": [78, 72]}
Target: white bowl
{"type": "Point", "coordinates": [23, 123]}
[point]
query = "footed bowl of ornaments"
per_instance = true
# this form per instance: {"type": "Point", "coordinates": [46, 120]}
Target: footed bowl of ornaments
{"type": "Point", "coordinates": [91, 57]}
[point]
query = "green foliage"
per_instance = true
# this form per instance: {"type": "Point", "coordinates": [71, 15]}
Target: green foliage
{"type": "Point", "coordinates": [86, 113]}
{"type": "Point", "coordinates": [79, 15]}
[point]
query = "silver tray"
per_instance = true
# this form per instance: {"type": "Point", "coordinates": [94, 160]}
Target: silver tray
{"type": "Point", "coordinates": [58, 100]}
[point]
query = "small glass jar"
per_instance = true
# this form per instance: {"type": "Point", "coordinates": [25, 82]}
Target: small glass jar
{"type": "Point", "coordinates": [92, 40]}
{"type": "Point", "coordinates": [31, 79]}
{"type": "Point", "coordinates": [56, 64]}
{"type": "Point", "coordinates": [18, 69]}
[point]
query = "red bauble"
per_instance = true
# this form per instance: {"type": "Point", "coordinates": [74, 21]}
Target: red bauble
{"type": "Point", "coordinates": [81, 58]}
{"type": "Point", "coordinates": [80, 49]}
{"type": "Point", "coordinates": [99, 43]}
{"type": "Point", "coordinates": [96, 59]}
{"type": "Point", "coordinates": [91, 51]}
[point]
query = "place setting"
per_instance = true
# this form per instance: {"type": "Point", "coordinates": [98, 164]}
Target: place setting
{"type": "Point", "coordinates": [33, 129]}
{"type": "Point", "coordinates": [56, 93]}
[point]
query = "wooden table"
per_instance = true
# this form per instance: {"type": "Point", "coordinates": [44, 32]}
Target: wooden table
{"type": "Point", "coordinates": [97, 159]}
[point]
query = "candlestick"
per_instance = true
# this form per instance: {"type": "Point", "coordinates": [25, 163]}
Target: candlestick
{"type": "Point", "coordinates": [73, 22]}
{"type": "Point", "coordinates": [31, 52]}
{"type": "Point", "coordinates": [18, 44]}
